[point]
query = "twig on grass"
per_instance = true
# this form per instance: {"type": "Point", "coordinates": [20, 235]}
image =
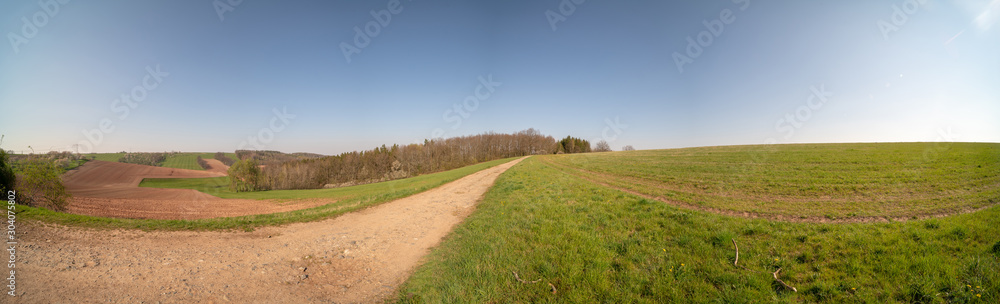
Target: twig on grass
{"type": "Point", "coordinates": [553, 288]}
{"type": "Point", "coordinates": [526, 282]}
{"type": "Point", "coordinates": [737, 260]}
{"type": "Point", "coordinates": [775, 274]}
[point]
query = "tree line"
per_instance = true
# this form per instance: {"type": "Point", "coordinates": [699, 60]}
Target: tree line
{"type": "Point", "coordinates": [573, 145]}
{"type": "Point", "coordinates": [271, 170]}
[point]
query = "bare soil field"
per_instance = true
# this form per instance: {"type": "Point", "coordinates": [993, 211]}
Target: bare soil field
{"type": "Point", "coordinates": [359, 257]}
{"type": "Point", "coordinates": [111, 189]}
{"type": "Point", "coordinates": [214, 165]}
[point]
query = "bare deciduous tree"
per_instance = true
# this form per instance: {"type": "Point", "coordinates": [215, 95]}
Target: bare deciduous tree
{"type": "Point", "coordinates": [602, 146]}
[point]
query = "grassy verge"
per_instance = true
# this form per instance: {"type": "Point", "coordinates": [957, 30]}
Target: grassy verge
{"type": "Point", "coordinates": [74, 164]}
{"type": "Point", "coordinates": [184, 161]}
{"type": "Point", "coordinates": [812, 180]}
{"type": "Point", "coordinates": [344, 200]}
{"type": "Point", "coordinates": [599, 245]}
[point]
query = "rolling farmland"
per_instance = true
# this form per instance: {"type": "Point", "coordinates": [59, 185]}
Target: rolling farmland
{"type": "Point", "coordinates": [179, 160]}
{"type": "Point", "coordinates": [808, 182]}
{"type": "Point", "coordinates": [184, 161]}
{"type": "Point", "coordinates": [112, 157]}
{"type": "Point", "coordinates": [640, 227]}
{"type": "Point", "coordinates": [834, 222]}
{"type": "Point", "coordinates": [335, 201]}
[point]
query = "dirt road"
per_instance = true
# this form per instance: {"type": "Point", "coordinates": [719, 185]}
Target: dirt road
{"type": "Point", "coordinates": [357, 257]}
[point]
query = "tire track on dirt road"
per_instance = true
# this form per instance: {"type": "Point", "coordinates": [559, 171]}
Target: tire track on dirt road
{"type": "Point", "coordinates": [358, 257]}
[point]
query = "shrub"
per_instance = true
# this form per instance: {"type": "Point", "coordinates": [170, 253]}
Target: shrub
{"type": "Point", "coordinates": [602, 146]}
{"type": "Point", "coordinates": [39, 185]}
{"type": "Point", "coordinates": [148, 159]}
{"type": "Point", "coordinates": [628, 148]}
{"type": "Point", "coordinates": [203, 163]}
{"type": "Point", "coordinates": [245, 176]}
{"type": "Point", "coordinates": [224, 159]}
{"type": "Point", "coordinates": [7, 177]}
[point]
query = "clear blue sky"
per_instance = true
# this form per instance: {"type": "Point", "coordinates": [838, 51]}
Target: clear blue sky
{"type": "Point", "coordinates": [926, 72]}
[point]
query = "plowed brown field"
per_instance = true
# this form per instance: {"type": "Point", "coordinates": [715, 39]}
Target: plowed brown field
{"type": "Point", "coordinates": [111, 189]}
{"type": "Point", "coordinates": [215, 165]}
{"type": "Point", "coordinates": [358, 257]}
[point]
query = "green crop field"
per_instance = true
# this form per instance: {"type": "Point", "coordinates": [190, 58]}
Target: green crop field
{"type": "Point", "coordinates": [596, 236]}
{"type": "Point", "coordinates": [833, 181]}
{"type": "Point", "coordinates": [184, 161]}
{"type": "Point", "coordinates": [176, 160]}
{"type": "Point", "coordinates": [343, 200]}
{"type": "Point", "coordinates": [212, 155]}
{"type": "Point", "coordinates": [111, 157]}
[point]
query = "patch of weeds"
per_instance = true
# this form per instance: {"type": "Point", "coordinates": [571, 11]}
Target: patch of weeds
{"type": "Point", "coordinates": [684, 240]}
{"type": "Point", "coordinates": [681, 217]}
{"type": "Point", "coordinates": [722, 238]}
{"type": "Point", "coordinates": [959, 232]}
{"type": "Point", "coordinates": [804, 258]}
{"type": "Point", "coordinates": [917, 293]}
{"type": "Point", "coordinates": [821, 291]}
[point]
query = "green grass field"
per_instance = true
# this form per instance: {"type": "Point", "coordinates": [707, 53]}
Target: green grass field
{"type": "Point", "coordinates": [593, 243]}
{"type": "Point", "coordinates": [185, 161]}
{"type": "Point", "coordinates": [813, 181]}
{"type": "Point", "coordinates": [212, 155]}
{"type": "Point", "coordinates": [177, 160]}
{"type": "Point", "coordinates": [343, 200]}
{"type": "Point", "coordinates": [111, 157]}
